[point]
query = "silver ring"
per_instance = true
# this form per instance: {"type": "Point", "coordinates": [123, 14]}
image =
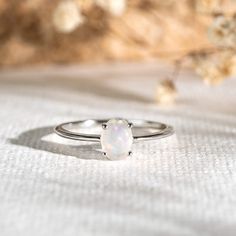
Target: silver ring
{"type": "Point", "coordinates": [115, 135]}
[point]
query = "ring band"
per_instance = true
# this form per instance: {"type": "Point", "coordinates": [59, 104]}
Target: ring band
{"type": "Point", "coordinates": [116, 135]}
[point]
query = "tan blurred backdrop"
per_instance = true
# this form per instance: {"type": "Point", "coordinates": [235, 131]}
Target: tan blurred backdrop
{"type": "Point", "coordinates": [43, 32]}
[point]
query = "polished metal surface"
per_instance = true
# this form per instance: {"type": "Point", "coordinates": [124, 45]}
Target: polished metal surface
{"type": "Point", "coordinates": [90, 130]}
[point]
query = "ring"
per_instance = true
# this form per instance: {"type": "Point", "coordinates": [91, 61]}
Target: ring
{"type": "Point", "coordinates": [115, 135]}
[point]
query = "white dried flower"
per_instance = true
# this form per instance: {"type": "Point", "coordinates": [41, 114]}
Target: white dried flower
{"type": "Point", "coordinates": [232, 65]}
{"type": "Point", "coordinates": [67, 16]}
{"type": "Point", "coordinates": [206, 6]}
{"type": "Point", "coordinates": [222, 32]}
{"type": "Point", "coordinates": [166, 92]}
{"type": "Point", "coordinates": [216, 71]}
{"type": "Point", "coordinates": [115, 7]}
{"type": "Point", "coordinates": [210, 73]}
{"type": "Point", "coordinates": [228, 64]}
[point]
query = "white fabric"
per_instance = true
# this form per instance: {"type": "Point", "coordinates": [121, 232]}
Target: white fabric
{"type": "Point", "coordinates": [182, 185]}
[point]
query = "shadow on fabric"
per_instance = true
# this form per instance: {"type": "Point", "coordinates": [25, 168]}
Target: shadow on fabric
{"type": "Point", "coordinates": [46, 140]}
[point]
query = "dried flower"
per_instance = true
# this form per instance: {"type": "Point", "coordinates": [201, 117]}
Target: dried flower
{"type": "Point", "coordinates": [85, 4]}
{"type": "Point", "coordinates": [115, 7]}
{"type": "Point", "coordinates": [166, 92]}
{"type": "Point", "coordinates": [214, 72]}
{"type": "Point", "coordinates": [222, 32]}
{"type": "Point", "coordinates": [232, 65]}
{"type": "Point", "coordinates": [206, 6]}
{"type": "Point", "coordinates": [67, 16]}
{"type": "Point", "coordinates": [210, 73]}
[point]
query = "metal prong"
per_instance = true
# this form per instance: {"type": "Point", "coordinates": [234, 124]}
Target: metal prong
{"type": "Point", "coordinates": [130, 153]}
{"type": "Point", "coordinates": [104, 126]}
{"type": "Point", "coordinates": [130, 125]}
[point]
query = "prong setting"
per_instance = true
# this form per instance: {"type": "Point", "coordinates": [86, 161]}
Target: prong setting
{"type": "Point", "coordinates": [130, 125]}
{"type": "Point", "coordinates": [104, 126]}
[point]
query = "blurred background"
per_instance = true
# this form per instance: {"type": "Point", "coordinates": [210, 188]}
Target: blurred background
{"type": "Point", "coordinates": [198, 34]}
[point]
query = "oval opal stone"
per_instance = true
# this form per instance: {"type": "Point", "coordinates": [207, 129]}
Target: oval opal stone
{"type": "Point", "coordinates": [116, 139]}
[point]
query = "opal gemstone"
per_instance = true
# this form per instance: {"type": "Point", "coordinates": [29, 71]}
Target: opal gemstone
{"type": "Point", "coordinates": [116, 139]}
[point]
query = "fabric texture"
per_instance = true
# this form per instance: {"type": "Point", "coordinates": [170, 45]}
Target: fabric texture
{"type": "Point", "coordinates": [181, 185]}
